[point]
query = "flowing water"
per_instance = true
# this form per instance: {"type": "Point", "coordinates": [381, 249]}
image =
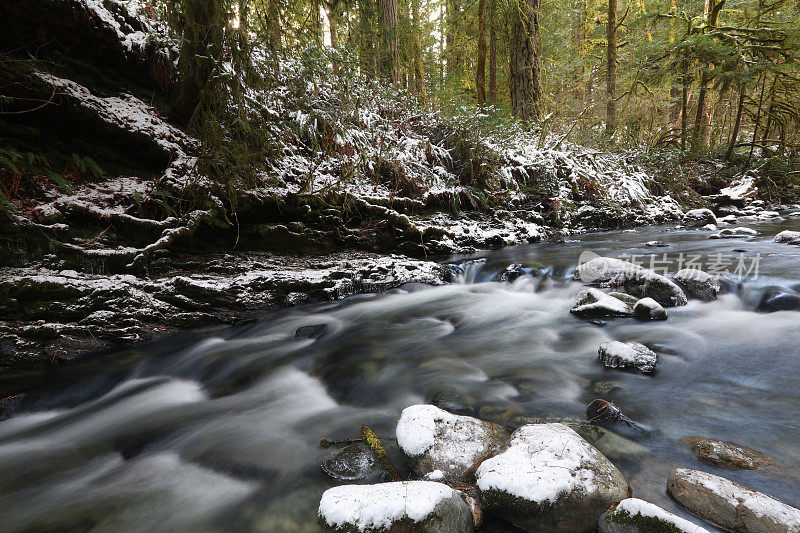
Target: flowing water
{"type": "Point", "coordinates": [220, 431]}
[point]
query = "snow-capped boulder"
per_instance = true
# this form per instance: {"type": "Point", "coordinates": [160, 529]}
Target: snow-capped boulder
{"type": "Point", "coordinates": [727, 219]}
{"type": "Point", "coordinates": [698, 284]}
{"type": "Point", "coordinates": [731, 505]}
{"type": "Point", "coordinates": [444, 446]}
{"type": "Point", "coordinates": [733, 233]}
{"type": "Point", "coordinates": [400, 506]}
{"type": "Point", "coordinates": [656, 244]}
{"type": "Point", "coordinates": [769, 215]}
{"type": "Point", "coordinates": [603, 269]}
{"type": "Point", "coordinates": [616, 354]}
{"type": "Point", "coordinates": [649, 309]}
{"type": "Point", "coordinates": [738, 192]}
{"type": "Point", "coordinates": [788, 237]}
{"type": "Point", "coordinates": [727, 454]}
{"type": "Point", "coordinates": [696, 218]}
{"type": "Point", "coordinates": [550, 480]}
{"type": "Point", "coordinates": [645, 283]}
{"type": "Point", "coordinates": [633, 515]}
{"type": "Point", "coordinates": [709, 227]}
{"type": "Point", "coordinates": [627, 298]}
{"type": "Point", "coordinates": [595, 303]}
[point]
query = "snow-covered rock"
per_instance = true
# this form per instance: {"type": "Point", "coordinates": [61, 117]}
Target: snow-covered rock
{"type": "Point", "coordinates": [731, 505]}
{"type": "Point", "coordinates": [727, 454]}
{"type": "Point", "coordinates": [699, 217]}
{"type": "Point", "coordinates": [595, 303]}
{"type": "Point", "coordinates": [550, 480]}
{"type": "Point", "coordinates": [738, 192]}
{"type": "Point", "coordinates": [698, 284]}
{"type": "Point", "coordinates": [769, 215]}
{"type": "Point", "coordinates": [616, 354]}
{"type": "Point", "coordinates": [647, 284]}
{"type": "Point", "coordinates": [709, 227]}
{"type": "Point", "coordinates": [649, 309]}
{"type": "Point", "coordinates": [400, 506]}
{"type": "Point", "coordinates": [788, 237]}
{"type": "Point", "coordinates": [733, 233]}
{"type": "Point", "coordinates": [656, 244]}
{"type": "Point", "coordinates": [436, 440]}
{"type": "Point", "coordinates": [602, 269]}
{"type": "Point", "coordinates": [727, 219]}
{"type": "Point", "coordinates": [633, 515]}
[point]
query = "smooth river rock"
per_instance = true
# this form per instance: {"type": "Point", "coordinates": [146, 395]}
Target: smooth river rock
{"type": "Point", "coordinates": [355, 462]}
{"type": "Point", "coordinates": [550, 480]}
{"type": "Point", "coordinates": [727, 454]}
{"type": "Point", "coordinates": [445, 447]}
{"type": "Point", "coordinates": [616, 354]}
{"type": "Point", "coordinates": [633, 515]}
{"type": "Point", "coordinates": [731, 505]}
{"type": "Point", "coordinates": [397, 507]}
{"type": "Point", "coordinates": [734, 233]}
{"type": "Point", "coordinates": [698, 284]}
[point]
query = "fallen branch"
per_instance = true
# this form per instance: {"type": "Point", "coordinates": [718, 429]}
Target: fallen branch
{"type": "Point", "coordinates": [193, 222]}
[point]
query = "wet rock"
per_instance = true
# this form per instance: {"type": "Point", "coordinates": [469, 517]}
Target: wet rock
{"type": "Point", "coordinates": [616, 354]}
{"type": "Point", "coordinates": [638, 516]}
{"type": "Point", "coordinates": [727, 454]}
{"type": "Point", "coordinates": [550, 480]}
{"type": "Point", "coordinates": [600, 410]}
{"type": "Point", "coordinates": [611, 444]}
{"type": "Point", "coordinates": [788, 237]}
{"type": "Point", "coordinates": [355, 462]}
{"type": "Point", "coordinates": [699, 217]}
{"type": "Point", "coordinates": [734, 233]}
{"type": "Point", "coordinates": [778, 299]}
{"type": "Point", "coordinates": [437, 441]}
{"type": "Point", "coordinates": [453, 402]}
{"type": "Point", "coordinates": [396, 507]}
{"type": "Point", "coordinates": [729, 504]}
{"type": "Point", "coordinates": [512, 273]}
{"type": "Point", "coordinates": [593, 303]}
{"type": "Point", "coordinates": [656, 244]}
{"type": "Point", "coordinates": [698, 284]}
{"type": "Point", "coordinates": [649, 309]}
{"type": "Point", "coordinates": [314, 331]}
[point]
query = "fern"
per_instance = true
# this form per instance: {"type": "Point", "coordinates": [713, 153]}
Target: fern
{"type": "Point", "coordinates": [59, 180]}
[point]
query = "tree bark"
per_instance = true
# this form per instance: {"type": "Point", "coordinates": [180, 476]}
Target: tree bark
{"type": "Point", "coordinates": [611, 69]}
{"type": "Point", "coordinates": [525, 63]}
{"type": "Point", "coordinates": [367, 40]}
{"type": "Point", "coordinates": [389, 65]}
{"type": "Point", "coordinates": [492, 51]}
{"type": "Point", "coordinates": [419, 71]}
{"type": "Point", "coordinates": [480, 74]}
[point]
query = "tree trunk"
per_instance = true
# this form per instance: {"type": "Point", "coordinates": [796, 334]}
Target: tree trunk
{"type": "Point", "coordinates": [758, 119]}
{"type": "Point", "coordinates": [480, 74]}
{"type": "Point", "coordinates": [736, 124]}
{"type": "Point", "coordinates": [525, 69]}
{"type": "Point", "coordinates": [274, 25]}
{"type": "Point", "coordinates": [367, 41]}
{"type": "Point", "coordinates": [492, 51]}
{"type": "Point", "coordinates": [419, 71]}
{"type": "Point", "coordinates": [454, 59]}
{"type": "Point", "coordinates": [315, 20]}
{"type": "Point", "coordinates": [389, 65]}
{"type": "Point", "coordinates": [611, 69]}
{"type": "Point", "coordinates": [684, 99]}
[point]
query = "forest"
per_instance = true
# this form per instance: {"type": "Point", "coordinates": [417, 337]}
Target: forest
{"type": "Point", "coordinates": [441, 266]}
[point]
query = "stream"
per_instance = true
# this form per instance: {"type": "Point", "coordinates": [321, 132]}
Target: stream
{"type": "Point", "coordinates": [219, 430]}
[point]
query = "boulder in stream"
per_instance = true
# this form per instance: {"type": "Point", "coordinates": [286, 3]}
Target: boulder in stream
{"type": "Point", "coordinates": [447, 447]}
{"type": "Point", "coordinates": [616, 354]}
{"type": "Point", "coordinates": [731, 505]}
{"type": "Point", "coordinates": [696, 218]}
{"type": "Point", "coordinates": [778, 299]}
{"type": "Point", "coordinates": [734, 233]}
{"type": "Point", "coordinates": [727, 454]}
{"type": "Point", "coordinates": [594, 303]}
{"type": "Point", "coordinates": [698, 284]}
{"type": "Point", "coordinates": [649, 309]}
{"type": "Point", "coordinates": [400, 506]}
{"type": "Point", "coordinates": [788, 237]}
{"type": "Point", "coordinates": [550, 480]}
{"type": "Point", "coordinates": [633, 515]}
{"type": "Point", "coordinates": [354, 462]}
